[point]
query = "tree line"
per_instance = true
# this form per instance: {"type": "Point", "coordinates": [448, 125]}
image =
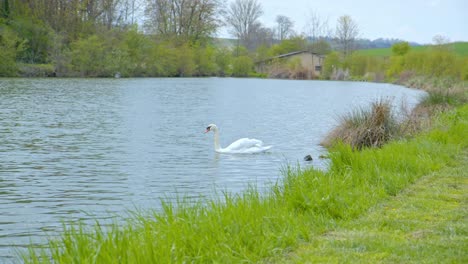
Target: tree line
{"type": "Point", "coordinates": [144, 37]}
{"type": "Point", "coordinates": [100, 38]}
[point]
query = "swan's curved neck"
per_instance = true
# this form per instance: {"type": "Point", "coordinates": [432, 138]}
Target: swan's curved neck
{"type": "Point", "coordinates": [216, 140]}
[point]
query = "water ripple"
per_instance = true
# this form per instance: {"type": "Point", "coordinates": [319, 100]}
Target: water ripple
{"type": "Point", "coordinates": [86, 149]}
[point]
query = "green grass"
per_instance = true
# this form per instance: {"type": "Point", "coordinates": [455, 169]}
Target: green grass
{"type": "Point", "coordinates": [460, 48]}
{"type": "Point", "coordinates": [253, 227]}
{"type": "Point", "coordinates": [427, 223]}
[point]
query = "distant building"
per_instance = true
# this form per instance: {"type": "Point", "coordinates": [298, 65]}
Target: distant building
{"type": "Point", "coordinates": [294, 65]}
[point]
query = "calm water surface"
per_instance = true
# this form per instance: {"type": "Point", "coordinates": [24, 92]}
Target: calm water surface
{"type": "Point", "coordinates": [94, 148]}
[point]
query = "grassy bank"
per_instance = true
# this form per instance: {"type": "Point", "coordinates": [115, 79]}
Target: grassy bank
{"type": "Point", "coordinates": [426, 223]}
{"type": "Point", "coordinates": [254, 227]}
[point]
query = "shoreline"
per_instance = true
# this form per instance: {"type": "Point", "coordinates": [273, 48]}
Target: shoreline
{"type": "Point", "coordinates": [253, 227]}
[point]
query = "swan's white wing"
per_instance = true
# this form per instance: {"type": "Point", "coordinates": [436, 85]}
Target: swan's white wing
{"type": "Point", "coordinates": [246, 145]}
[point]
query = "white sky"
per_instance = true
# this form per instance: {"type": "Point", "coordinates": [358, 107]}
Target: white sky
{"type": "Point", "coordinates": [410, 20]}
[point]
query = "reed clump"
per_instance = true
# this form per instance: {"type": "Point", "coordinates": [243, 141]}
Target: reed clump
{"type": "Point", "coordinates": [375, 126]}
{"type": "Point", "coordinates": [442, 93]}
{"type": "Point", "coordinates": [365, 127]}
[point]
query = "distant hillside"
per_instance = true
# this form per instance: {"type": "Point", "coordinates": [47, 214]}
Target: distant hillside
{"type": "Point", "coordinates": [380, 43]}
{"type": "Point", "coordinates": [365, 43]}
{"type": "Point", "coordinates": [460, 48]}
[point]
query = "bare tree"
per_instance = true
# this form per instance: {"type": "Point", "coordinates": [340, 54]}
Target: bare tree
{"type": "Point", "coordinates": [190, 19]}
{"type": "Point", "coordinates": [242, 19]}
{"type": "Point", "coordinates": [317, 27]}
{"type": "Point", "coordinates": [284, 27]}
{"type": "Point", "coordinates": [440, 40]}
{"type": "Point", "coordinates": [346, 32]}
{"type": "Point", "coordinates": [261, 36]}
{"type": "Point", "coordinates": [130, 9]}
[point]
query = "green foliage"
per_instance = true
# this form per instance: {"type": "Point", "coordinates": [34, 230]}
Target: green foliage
{"type": "Point", "coordinates": [185, 61]}
{"type": "Point", "coordinates": [223, 59]}
{"type": "Point", "coordinates": [242, 66]}
{"type": "Point", "coordinates": [205, 60]}
{"type": "Point", "coordinates": [289, 45]}
{"type": "Point", "coordinates": [10, 46]}
{"type": "Point", "coordinates": [332, 61]}
{"type": "Point", "coordinates": [396, 67]}
{"type": "Point", "coordinates": [435, 63]}
{"type": "Point", "coordinates": [356, 63]}
{"type": "Point", "coordinates": [240, 50]}
{"type": "Point", "coordinates": [161, 60]}
{"type": "Point", "coordinates": [464, 69]}
{"type": "Point", "coordinates": [400, 49]}
{"type": "Point", "coordinates": [37, 38]}
{"type": "Point", "coordinates": [321, 47]}
{"type": "Point", "coordinates": [262, 53]}
{"type": "Point", "coordinates": [5, 9]}
{"type": "Point", "coordinates": [89, 57]}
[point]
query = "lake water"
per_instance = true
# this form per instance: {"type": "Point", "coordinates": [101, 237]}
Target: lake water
{"type": "Point", "coordinates": [93, 148]}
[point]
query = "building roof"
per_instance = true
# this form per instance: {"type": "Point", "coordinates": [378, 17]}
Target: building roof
{"type": "Point", "coordinates": [288, 55]}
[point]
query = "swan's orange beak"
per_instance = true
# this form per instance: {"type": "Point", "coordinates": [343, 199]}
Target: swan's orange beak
{"type": "Point", "coordinates": [207, 130]}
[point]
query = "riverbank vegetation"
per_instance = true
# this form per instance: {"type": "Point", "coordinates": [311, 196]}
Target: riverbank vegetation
{"type": "Point", "coordinates": [298, 210]}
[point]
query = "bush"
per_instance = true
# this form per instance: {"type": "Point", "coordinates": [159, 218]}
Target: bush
{"type": "Point", "coordinates": [89, 56]}
{"type": "Point", "coordinates": [331, 62]}
{"type": "Point", "coordinates": [242, 66]}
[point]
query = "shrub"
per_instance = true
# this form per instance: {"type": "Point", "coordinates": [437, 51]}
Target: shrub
{"type": "Point", "coordinates": [242, 66]}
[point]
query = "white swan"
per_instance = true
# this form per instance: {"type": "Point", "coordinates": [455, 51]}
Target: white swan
{"type": "Point", "coordinates": [243, 145]}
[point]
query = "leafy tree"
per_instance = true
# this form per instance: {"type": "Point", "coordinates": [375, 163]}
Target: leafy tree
{"type": "Point", "coordinates": [400, 48]}
{"type": "Point", "coordinates": [242, 66]}
{"type": "Point", "coordinates": [346, 32]}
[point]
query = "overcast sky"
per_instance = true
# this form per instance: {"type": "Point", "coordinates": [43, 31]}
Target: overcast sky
{"type": "Point", "coordinates": [410, 20]}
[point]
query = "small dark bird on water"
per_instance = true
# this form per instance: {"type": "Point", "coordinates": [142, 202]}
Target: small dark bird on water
{"type": "Point", "coordinates": [308, 158]}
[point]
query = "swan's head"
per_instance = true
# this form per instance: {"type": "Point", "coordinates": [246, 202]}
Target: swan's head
{"type": "Point", "coordinates": [211, 127]}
